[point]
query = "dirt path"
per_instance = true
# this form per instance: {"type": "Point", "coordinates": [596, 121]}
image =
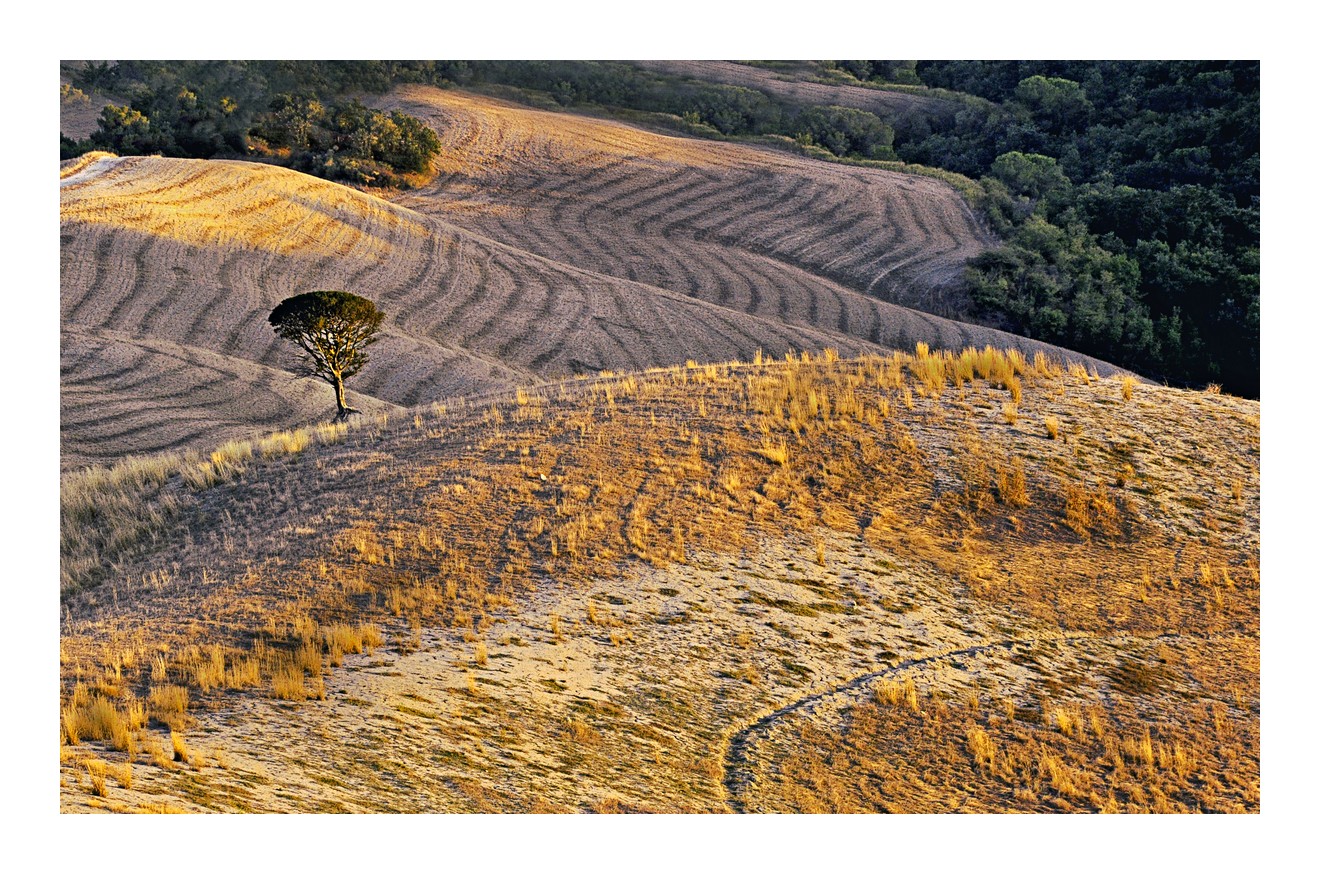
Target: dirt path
{"type": "Point", "coordinates": [740, 755]}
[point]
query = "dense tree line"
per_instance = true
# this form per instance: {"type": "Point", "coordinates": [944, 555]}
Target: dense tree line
{"type": "Point", "coordinates": [1151, 169]}
{"type": "Point", "coordinates": [291, 113]}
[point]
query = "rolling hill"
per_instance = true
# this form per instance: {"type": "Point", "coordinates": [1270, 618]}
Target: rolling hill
{"type": "Point", "coordinates": [672, 492]}
{"type": "Point", "coordinates": [548, 246]}
{"type": "Point", "coordinates": [871, 584]}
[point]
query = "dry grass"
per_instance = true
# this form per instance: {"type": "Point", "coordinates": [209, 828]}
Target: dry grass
{"type": "Point", "coordinates": [96, 772]}
{"type": "Point", "coordinates": [455, 523]}
{"type": "Point", "coordinates": [1124, 753]}
{"type": "Point", "coordinates": [168, 702]}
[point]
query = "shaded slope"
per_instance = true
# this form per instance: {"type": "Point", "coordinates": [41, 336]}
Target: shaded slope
{"type": "Point", "coordinates": [881, 102]}
{"type": "Point", "coordinates": [121, 395]}
{"type": "Point", "coordinates": [196, 253]}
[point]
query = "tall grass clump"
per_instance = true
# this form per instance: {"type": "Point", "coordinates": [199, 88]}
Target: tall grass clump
{"type": "Point", "coordinates": [107, 513]}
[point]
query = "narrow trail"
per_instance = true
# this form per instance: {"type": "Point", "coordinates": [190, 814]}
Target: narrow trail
{"type": "Point", "coordinates": [737, 777]}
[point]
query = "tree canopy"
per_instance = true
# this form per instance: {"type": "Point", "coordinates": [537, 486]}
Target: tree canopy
{"type": "Point", "coordinates": [333, 328]}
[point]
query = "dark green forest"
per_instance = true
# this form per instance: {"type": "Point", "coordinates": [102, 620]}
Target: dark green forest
{"type": "Point", "coordinates": [1127, 193]}
{"type": "Point", "coordinates": [292, 113]}
{"type": "Point", "coordinates": [1129, 196]}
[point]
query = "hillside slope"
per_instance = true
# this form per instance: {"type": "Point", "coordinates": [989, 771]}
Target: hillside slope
{"type": "Point", "coordinates": [948, 582]}
{"type": "Point", "coordinates": [192, 255]}
{"type": "Point", "coordinates": [197, 253]}
{"type": "Point", "coordinates": [881, 102]}
{"type": "Point", "coordinates": [736, 225]}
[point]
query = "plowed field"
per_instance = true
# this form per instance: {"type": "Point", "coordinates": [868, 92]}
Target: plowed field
{"type": "Point", "coordinates": [548, 246]}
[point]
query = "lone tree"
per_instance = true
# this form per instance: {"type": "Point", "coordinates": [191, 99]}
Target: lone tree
{"type": "Point", "coordinates": [333, 328]}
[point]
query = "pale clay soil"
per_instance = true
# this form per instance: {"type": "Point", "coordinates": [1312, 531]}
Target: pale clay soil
{"type": "Point", "coordinates": [403, 733]}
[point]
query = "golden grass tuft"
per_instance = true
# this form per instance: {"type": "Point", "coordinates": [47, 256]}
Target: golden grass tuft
{"type": "Point", "coordinates": [96, 772]}
{"type": "Point", "coordinates": [897, 694]}
{"type": "Point", "coordinates": [167, 702]}
{"type": "Point", "coordinates": [288, 681]}
{"type": "Point", "coordinates": [981, 746]}
{"type": "Point", "coordinates": [208, 667]}
{"type": "Point", "coordinates": [1011, 483]}
{"type": "Point", "coordinates": [98, 718]}
{"type": "Point", "coordinates": [179, 746]}
{"type": "Point", "coordinates": [773, 451]}
{"type": "Point", "coordinates": [582, 733]}
{"type": "Point", "coordinates": [363, 637]}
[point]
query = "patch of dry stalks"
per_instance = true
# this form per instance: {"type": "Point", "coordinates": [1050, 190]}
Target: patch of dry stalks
{"type": "Point", "coordinates": [251, 571]}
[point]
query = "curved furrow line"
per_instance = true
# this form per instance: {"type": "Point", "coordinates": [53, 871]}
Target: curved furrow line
{"type": "Point", "coordinates": [508, 292]}
{"type": "Point", "coordinates": [442, 300]}
{"type": "Point", "coordinates": [389, 376]}
{"type": "Point", "coordinates": [522, 336]}
{"type": "Point", "coordinates": [149, 325]}
{"type": "Point", "coordinates": [134, 277]}
{"type": "Point", "coordinates": [99, 260]}
{"type": "Point", "coordinates": [702, 196]}
{"type": "Point", "coordinates": [736, 781]}
{"type": "Point", "coordinates": [184, 428]}
{"type": "Point", "coordinates": [142, 377]}
{"type": "Point", "coordinates": [378, 267]}
{"type": "Point", "coordinates": [437, 283]}
{"type": "Point", "coordinates": [831, 224]}
{"type": "Point", "coordinates": [406, 289]}
{"type": "Point", "coordinates": [86, 368]}
{"type": "Point", "coordinates": [572, 338]}
{"type": "Point", "coordinates": [81, 416]}
{"type": "Point", "coordinates": [729, 332]}
{"type": "Point", "coordinates": [572, 190]}
{"type": "Point", "coordinates": [199, 330]}
{"type": "Point", "coordinates": [642, 260]}
{"type": "Point", "coordinates": [683, 188]}
{"type": "Point", "coordinates": [645, 193]}
{"type": "Point", "coordinates": [911, 248]}
{"type": "Point", "coordinates": [803, 229]}
{"type": "Point", "coordinates": [785, 238]}
{"type": "Point", "coordinates": [628, 227]}
{"type": "Point", "coordinates": [766, 203]}
{"type": "Point", "coordinates": [678, 264]}
{"type": "Point", "coordinates": [477, 290]}
{"type": "Point", "coordinates": [955, 248]}
{"type": "Point", "coordinates": [617, 223]}
{"type": "Point", "coordinates": [736, 277]}
{"type": "Point", "coordinates": [590, 234]}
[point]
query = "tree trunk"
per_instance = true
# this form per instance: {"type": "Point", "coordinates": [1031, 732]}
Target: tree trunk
{"type": "Point", "coordinates": [340, 401]}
